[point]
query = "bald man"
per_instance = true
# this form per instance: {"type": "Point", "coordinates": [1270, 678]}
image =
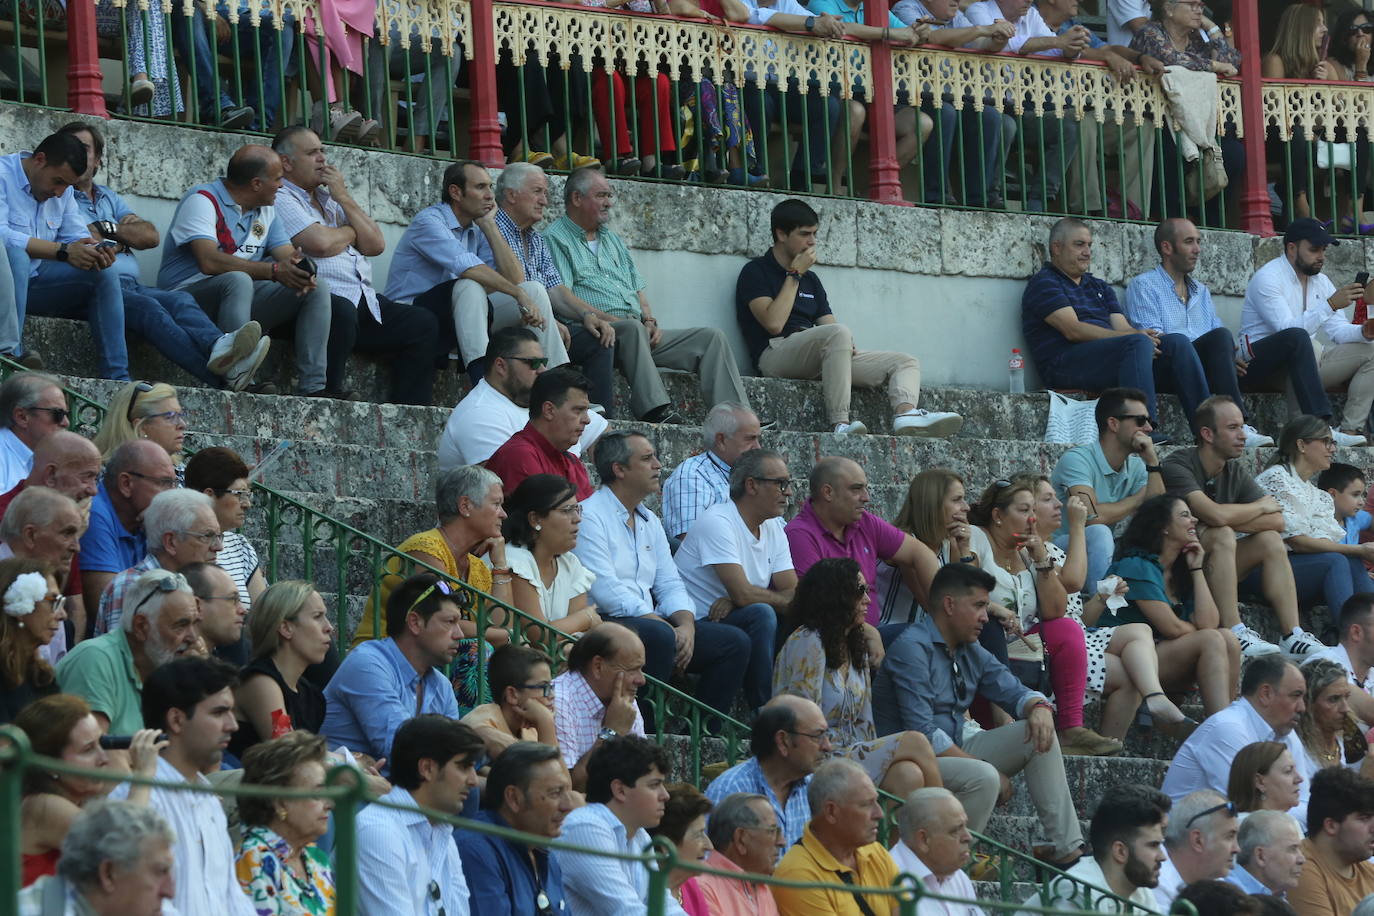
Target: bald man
{"type": "Point", "coordinates": [226, 249]}
{"type": "Point", "coordinates": [114, 541]}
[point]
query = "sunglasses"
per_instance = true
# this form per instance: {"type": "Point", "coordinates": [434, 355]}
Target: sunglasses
{"type": "Point", "coordinates": [1140, 419]}
{"type": "Point", "coordinates": [139, 388]}
{"type": "Point", "coordinates": [164, 585]}
{"type": "Point", "coordinates": [1367, 28]}
{"type": "Point", "coordinates": [59, 414]}
{"type": "Point", "coordinates": [437, 896]}
{"type": "Point", "coordinates": [459, 597]}
{"type": "Point", "coordinates": [1229, 807]}
{"type": "Point", "coordinates": [534, 362]}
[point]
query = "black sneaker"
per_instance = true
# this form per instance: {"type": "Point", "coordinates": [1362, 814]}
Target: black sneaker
{"type": "Point", "coordinates": [234, 118]}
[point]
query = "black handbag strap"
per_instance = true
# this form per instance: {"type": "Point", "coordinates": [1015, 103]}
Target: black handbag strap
{"type": "Point", "coordinates": [864, 908]}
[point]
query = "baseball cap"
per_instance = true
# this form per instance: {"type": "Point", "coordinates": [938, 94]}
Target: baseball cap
{"type": "Point", "coordinates": [1307, 229]}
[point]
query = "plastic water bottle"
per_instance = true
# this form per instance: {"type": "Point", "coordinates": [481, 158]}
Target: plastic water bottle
{"type": "Point", "coordinates": [1016, 368]}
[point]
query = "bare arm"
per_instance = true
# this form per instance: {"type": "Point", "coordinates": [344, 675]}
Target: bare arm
{"type": "Point", "coordinates": [1249, 518]}
{"type": "Point", "coordinates": [742, 592]}
{"type": "Point", "coordinates": [1164, 620]}
{"type": "Point", "coordinates": [256, 698]}
{"type": "Point", "coordinates": [135, 232]}
{"type": "Point", "coordinates": [1110, 513]}
{"type": "Point", "coordinates": [918, 565]}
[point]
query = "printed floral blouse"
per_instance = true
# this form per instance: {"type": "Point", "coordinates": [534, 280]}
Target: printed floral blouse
{"type": "Point", "coordinates": [273, 887]}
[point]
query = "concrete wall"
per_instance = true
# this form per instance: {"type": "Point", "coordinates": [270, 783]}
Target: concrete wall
{"type": "Point", "coordinates": [944, 285]}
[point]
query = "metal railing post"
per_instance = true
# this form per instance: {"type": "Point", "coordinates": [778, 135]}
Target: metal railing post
{"type": "Point", "coordinates": [346, 840]}
{"type": "Point", "coordinates": [1254, 198]}
{"type": "Point", "coordinates": [84, 94]}
{"type": "Point", "coordinates": [885, 172]}
{"type": "Point", "coordinates": [486, 126]}
{"type": "Point", "coordinates": [13, 756]}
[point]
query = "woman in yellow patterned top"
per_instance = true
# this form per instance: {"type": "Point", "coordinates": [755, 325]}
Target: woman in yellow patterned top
{"type": "Point", "coordinates": [468, 501]}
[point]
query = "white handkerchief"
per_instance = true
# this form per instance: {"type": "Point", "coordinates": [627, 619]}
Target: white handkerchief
{"type": "Point", "coordinates": [1107, 589]}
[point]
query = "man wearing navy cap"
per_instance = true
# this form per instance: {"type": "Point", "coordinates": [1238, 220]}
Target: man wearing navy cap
{"type": "Point", "coordinates": [1291, 291]}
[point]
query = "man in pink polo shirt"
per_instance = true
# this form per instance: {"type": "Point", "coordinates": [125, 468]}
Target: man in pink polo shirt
{"type": "Point", "coordinates": [835, 522]}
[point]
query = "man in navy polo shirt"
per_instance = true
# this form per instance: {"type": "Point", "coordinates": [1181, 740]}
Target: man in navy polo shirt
{"type": "Point", "coordinates": [1079, 337]}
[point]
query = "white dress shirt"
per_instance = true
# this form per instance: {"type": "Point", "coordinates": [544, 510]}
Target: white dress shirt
{"type": "Point", "coordinates": [1031, 25]}
{"type": "Point", "coordinates": [16, 460]}
{"type": "Point", "coordinates": [634, 569]}
{"type": "Point", "coordinates": [402, 857]}
{"type": "Point", "coordinates": [721, 536]}
{"type": "Point", "coordinates": [595, 886]}
{"type": "Point", "coordinates": [957, 884]}
{"type": "Point", "coordinates": [482, 422]}
{"type": "Point", "coordinates": [1341, 656]}
{"type": "Point", "coordinates": [206, 881]}
{"type": "Point", "coordinates": [1274, 300]}
{"type": "Point", "coordinates": [1170, 883]}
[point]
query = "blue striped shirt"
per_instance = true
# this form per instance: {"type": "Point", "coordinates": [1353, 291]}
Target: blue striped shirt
{"type": "Point", "coordinates": [1152, 302]}
{"type": "Point", "coordinates": [748, 777]}
{"type": "Point", "coordinates": [695, 485]}
{"type": "Point", "coordinates": [529, 246]}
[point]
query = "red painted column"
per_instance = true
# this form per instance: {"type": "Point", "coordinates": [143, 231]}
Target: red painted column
{"type": "Point", "coordinates": [486, 127]}
{"type": "Point", "coordinates": [83, 61]}
{"type": "Point", "coordinates": [1254, 198]}
{"type": "Point", "coordinates": [885, 184]}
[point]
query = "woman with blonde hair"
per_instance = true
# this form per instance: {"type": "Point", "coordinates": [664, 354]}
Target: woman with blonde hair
{"type": "Point", "coordinates": [144, 410]}
{"type": "Point", "coordinates": [31, 615]}
{"type": "Point", "coordinates": [1330, 734]}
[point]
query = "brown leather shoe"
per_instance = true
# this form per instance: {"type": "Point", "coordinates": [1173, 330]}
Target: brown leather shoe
{"type": "Point", "coordinates": [1084, 742]}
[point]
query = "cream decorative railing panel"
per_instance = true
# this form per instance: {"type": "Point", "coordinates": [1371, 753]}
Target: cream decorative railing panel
{"type": "Point", "coordinates": [1317, 107]}
{"type": "Point", "coordinates": [441, 24]}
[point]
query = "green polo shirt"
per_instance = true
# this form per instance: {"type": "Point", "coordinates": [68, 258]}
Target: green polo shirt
{"type": "Point", "coordinates": [606, 278]}
{"type": "Point", "coordinates": [101, 671]}
{"type": "Point", "coordinates": [1086, 466]}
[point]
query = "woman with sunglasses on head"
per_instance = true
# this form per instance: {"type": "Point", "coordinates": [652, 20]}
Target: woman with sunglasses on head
{"type": "Point", "coordinates": [30, 616]}
{"type": "Point", "coordinates": [145, 410]}
{"type": "Point", "coordinates": [825, 660]}
{"type": "Point", "coordinates": [1324, 569]}
{"type": "Point", "coordinates": [221, 474]}
{"type": "Point", "coordinates": [549, 581]}
{"type": "Point", "coordinates": [1330, 733]}
{"type": "Point", "coordinates": [1031, 604]}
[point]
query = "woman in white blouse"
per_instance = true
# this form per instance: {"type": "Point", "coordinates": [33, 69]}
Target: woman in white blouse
{"type": "Point", "coordinates": [1324, 569]}
{"type": "Point", "coordinates": [550, 583]}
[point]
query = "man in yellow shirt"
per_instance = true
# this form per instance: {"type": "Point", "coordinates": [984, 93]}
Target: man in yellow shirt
{"type": "Point", "coordinates": [1340, 840]}
{"type": "Point", "coordinates": [839, 846]}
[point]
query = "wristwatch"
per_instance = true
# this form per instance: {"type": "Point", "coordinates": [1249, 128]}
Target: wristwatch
{"type": "Point", "coordinates": [606, 734]}
{"type": "Point", "coordinates": [62, 254]}
{"type": "Point", "coordinates": [1154, 469]}
{"type": "Point", "coordinates": [811, 23]}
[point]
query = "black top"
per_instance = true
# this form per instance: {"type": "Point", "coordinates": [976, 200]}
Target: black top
{"type": "Point", "coordinates": [763, 277]}
{"type": "Point", "coordinates": [305, 706]}
{"type": "Point", "coordinates": [13, 699]}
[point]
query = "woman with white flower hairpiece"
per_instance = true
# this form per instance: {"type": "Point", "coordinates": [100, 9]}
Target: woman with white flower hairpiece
{"type": "Point", "coordinates": [30, 615]}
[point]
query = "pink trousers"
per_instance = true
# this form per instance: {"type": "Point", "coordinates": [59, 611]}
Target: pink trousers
{"type": "Point", "coordinates": [1067, 657]}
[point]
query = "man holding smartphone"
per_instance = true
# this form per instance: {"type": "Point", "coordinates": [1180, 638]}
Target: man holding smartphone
{"type": "Point", "coordinates": [1292, 292]}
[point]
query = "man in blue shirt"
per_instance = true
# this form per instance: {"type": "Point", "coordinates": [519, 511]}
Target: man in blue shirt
{"type": "Point", "coordinates": [384, 682]}
{"type": "Point", "coordinates": [170, 320]}
{"type": "Point", "coordinates": [50, 256]}
{"type": "Point", "coordinates": [136, 472]}
{"type": "Point", "coordinates": [1080, 339]}
{"type": "Point", "coordinates": [226, 248]}
{"type": "Point", "coordinates": [528, 789]}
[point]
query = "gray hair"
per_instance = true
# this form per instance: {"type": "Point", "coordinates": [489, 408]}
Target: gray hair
{"type": "Point", "coordinates": [20, 390]}
{"type": "Point", "coordinates": [109, 831]}
{"type": "Point", "coordinates": [614, 448]}
{"type": "Point", "coordinates": [732, 813]}
{"type": "Point", "coordinates": [580, 181]}
{"type": "Point", "coordinates": [723, 419]}
{"type": "Point", "coordinates": [514, 176]}
{"type": "Point", "coordinates": [37, 506]}
{"type": "Point", "coordinates": [1061, 230]}
{"type": "Point", "coordinates": [470, 480]}
{"type": "Point", "coordinates": [145, 597]}
{"type": "Point", "coordinates": [919, 810]}
{"type": "Point", "coordinates": [1261, 828]}
{"type": "Point", "coordinates": [174, 512]}
{"type": "Point", "coordinates": [749, 465]}
{"type": "Point", "coordinates": [1365, 907]}
{"type": "Point", "coordinates": [1187, 808]}
{"type": "Point", "coordinates": [832, 780]}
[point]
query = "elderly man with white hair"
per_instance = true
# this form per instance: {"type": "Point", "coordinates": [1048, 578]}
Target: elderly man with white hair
{"type": "Point", "coordinates": [1201, 841]}
{"type": "Point", "coordinates": [108, 671]}
{"type": "Point", "coordinates": [46, 526]}
{"type": "Point", "coordinates": [934, 849]}
{"type": "Point", "coordinates": [703, 480]}
{"type": "Point", "coordinates": [181, 528]}
{"type": "Point", "coordinates": [116, 861]}
{"type": "Point", "coordinates": [1270, 859]}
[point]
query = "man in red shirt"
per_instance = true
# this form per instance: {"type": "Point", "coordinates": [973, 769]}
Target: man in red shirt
{"type": "Point", "coordinates": [559, 405]}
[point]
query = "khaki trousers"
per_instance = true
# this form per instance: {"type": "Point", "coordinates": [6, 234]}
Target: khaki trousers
{"type": "Point", "coordinates": [1136, 150]}
{"type": "Point", "coordinates": [704, 351]}
{"type": "Point", "coordinates": [827, 352]}
{"type": "Point", "coordinates": [1353, 363]}
{"type": "Point", "coordinates": [472, 305]}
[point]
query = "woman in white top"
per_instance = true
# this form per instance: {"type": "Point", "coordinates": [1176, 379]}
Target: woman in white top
{"type": "Point", "coordinates": [550, 583]}
{"type": "Point", "coordinates": [1330, 734]}
{"type": "Point", "coordinates": [1324, 570]}
{"type": "Point", "coordinates": [936, 514]}
{"type": "Point", "coordinates": [1008, 545]}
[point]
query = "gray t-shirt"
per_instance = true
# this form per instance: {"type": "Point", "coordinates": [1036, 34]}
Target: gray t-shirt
{"type": "Point", "coordinates": [1183, 474]}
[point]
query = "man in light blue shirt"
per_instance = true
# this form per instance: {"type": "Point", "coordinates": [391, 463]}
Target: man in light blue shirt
{"type": "Point", "coordinates": [637, 584]}
{"type": "Point", "coordinates": [384, 682]}
{"type": "Point", "coordinates": [50, 256]}
{"type": "Point", "coordinates": [1270, 858]}
{"type": "Point", "coordinates": [226, 248]}
{"type": "Point", "coordinates": [454, 261]}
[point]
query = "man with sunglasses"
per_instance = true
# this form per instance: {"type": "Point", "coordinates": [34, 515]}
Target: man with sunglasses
{"type": "Point", "coordinates": [32, 405]}
{"type": "Point", "coordinates": [181, 529]}
{"type": "Point", "coordinates": [737, 567]}
{"type": "Point", "coordinates": [560, 410]}
{"type": "Point", "coordinates": [1200, 837]}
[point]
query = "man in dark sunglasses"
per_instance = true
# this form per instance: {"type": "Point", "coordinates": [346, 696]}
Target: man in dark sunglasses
{"type": "Point", "coordinates": [1200, 838]}
{"type": "Point", "coordinates": [32, 405]}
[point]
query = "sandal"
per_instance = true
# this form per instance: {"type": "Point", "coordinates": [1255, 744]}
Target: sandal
{"type": "Point", "coordinates": [1180, 728]}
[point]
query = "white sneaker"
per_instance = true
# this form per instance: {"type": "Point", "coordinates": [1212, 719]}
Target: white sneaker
{"type": "Point", "coordinates": [921, 422]}
{"type": "Point", "coordinates": [856, 428]}
{"type": "Point", "coordinates": [1252, 644]}
{"type": "Point", "coordinates": [230, 348]}
{"type": "Point", "coordinates": [240, 376]}
{"type": "Point", "coordinates": [1346, 440]}
{"type": "Point", "coordinates": [1256, 439]}
{"type": "Point", "coordinates": [1301, 643]}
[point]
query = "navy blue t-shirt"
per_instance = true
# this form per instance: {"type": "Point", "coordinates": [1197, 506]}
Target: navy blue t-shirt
{"type": "Point", "coordinates": [1049, 291]}
{"type": "Point", "coordinates": [763, 277]}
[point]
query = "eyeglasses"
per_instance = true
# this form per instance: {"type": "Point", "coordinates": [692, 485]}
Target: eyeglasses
{"type": "Point", "coordinates": [162, 483]}
{"type": "Point", "coordinates": [59, 414]}
{"type": "Point", "coordinates": [174, 417]}
{"type": "Point", "coordinates": [534, 362]}
{"type": "Point", "coordinates": [1229, 807]}
{"type": "Point", "coordinates": [545, 689]}
{"type": "Point", "coordinates": [139, 388]}
{"type": "Point", "coordinates": [208, 538]}
{"type": "Point", "coordinates": [1367, 28]}
{"type": "Point", "coordinates": [775, 831]}
{"type": "Point", "coordinates": [1141, 419]}
{"type": "Point", "coordinates": [1324, 440]}
{"type": "Point", "coordinates": [164, 585]}
{"type": "Point", "coordinates": [784, 483]}
{"type": "Point", "coordinates": [573, 510]}
{"type": "Point", "coordinates": [243, 496]}
{"type": "Point", "coordinates": [233, 597]}
{"type": "Point", "coordinates": [817, 737]}
{"type": "Point", "coordinates": [437, 896]}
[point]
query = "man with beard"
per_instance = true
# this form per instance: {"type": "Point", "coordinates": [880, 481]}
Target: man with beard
{"type": "Point", "coordinates": [1169, 300]}
{"type": "Point", "coordinates": [498, 406]}
{"type": "Point", "coordinates": [1271, 858]}
{"type": "Point", "coordinates": [1292, 292]}
{"type": "Point", "coordinates": [1127, 836]}
{"type": "Point", "coordinates": [1340, 841]}
{"type": "Point", "coordinates": [108, 671]}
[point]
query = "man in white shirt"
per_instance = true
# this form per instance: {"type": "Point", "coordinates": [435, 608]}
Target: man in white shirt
{"type": "Point", "coordinates": [1200, 839]}
{"type": "Point", "coordinates": [1124, 19]}
{"type": "Point", "coordinates": [1355, 653]}
{"type": "Point", "coordinates": [625, 797]}
{"type": "Point", "coordinates": [935, 848]}
{"type": "Point", "coordinates": [1272, 692]}
{"type": "Point", "coordinates": [737, 567]}
{"type": "Point", "coordinates": [31, 406]}
{"type": "Point", "coordinates": [703, 480]}
{"type": "Point", "coordinates": [191, 701]}
{"type": "Point", "coordinates": [409, 865]}
{"type": "Point", "coordinates": [1271, 857]}
{"type": "Point", "coordinates": [498, 406]}
{"type": "Point", "coordinates": [1291, 291]}
{"type": "Point", "coordinates": [1127, 835]}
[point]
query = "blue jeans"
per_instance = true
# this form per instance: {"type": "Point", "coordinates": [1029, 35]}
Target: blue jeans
{"type": "Point", "coordinates": [1328, 578]}
{"type": "Point", "coordinates": [1129, 362]}
{"type": "Point", "coordinates": [1286, 353]}
{"type": "Point", "coordinates": [59, 290]}
{"type": "Point", "coordinates": [174, 323]}
{"type": "Point", "coordinates": [275, 48]}
{"type": "Point", "coordinates": [1101, 546]}
{"type": "Point", "coordinates": [822, 119]}
{"type": "Point", "coordinates": [12, 298]}
{"type": "Point", "coordinates": [759, 623]}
